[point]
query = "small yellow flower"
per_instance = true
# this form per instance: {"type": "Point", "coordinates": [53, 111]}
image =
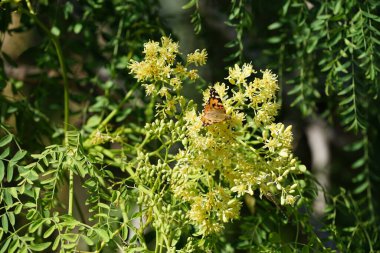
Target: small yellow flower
{"type": "Point", "coordinates": [239, 75]}
{"type": "Point", "coordinates": [290, 200]}
{"type": "Point", "coordinates": [190, 116]}
{"type": "Point", "coordinates": [193, 74]}
{"type": "Point", "coordinates": [170, 46]}
{"type": "Point", "coordinates": [239, 97]}
{"type": "Point", "coordinates": [198, 57]}
{"type": "Point", "coordinates": [221, 89]}
{"type": "Point", "coordinates": [176, 83]}
{"type": "Point", "coordinates": [237, 119]}
{"type": "Point", "coordinates": [180, 70]}
{"type": "Point", "coordinates": [98, 138]}
{"type": "Point", "coordinates": [149, 89]}
{"type": "Point", "coordinates": [164, 92]}
{"type": "Point", "coordinates": [151, 49]}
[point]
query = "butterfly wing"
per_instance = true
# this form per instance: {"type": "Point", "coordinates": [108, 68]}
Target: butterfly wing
{"type": "Point", "coordinates": [214, 111]}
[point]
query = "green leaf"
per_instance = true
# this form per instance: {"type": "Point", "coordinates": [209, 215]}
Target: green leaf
{"type": "Point", "coordinates": [359, 178]}
{"type": "Point", "coordinates": [69, 221]}
{"type": "Point", "coordinates": [19, 155]}
{"type": "Point", "coordinates": [35, 225]}
{"type": "Point", "coordinates": [375, 30]}
{"type": "Point", "coordinates": [68, 9]}
{"type": "Point", "coordinates": [103, 206]}
{"type": "Point", "coordinates": [338, 7]}
{"type": "Point", "coordinates": [349, 43]}
{"type": "Point", "coordinates": [285, 8]}
{"type": "Point", "coordinates": [70, 237]}
{"type": "Point", "coordinates": [190, 4]}
{"type": "Point", "coordinates": [323, 17]}
{"type": "Point", "coordinates": [9, 172]}
{"type": "Point", "coordinates": [274, 26]}
{"type": "Point", "coordinates": [5, 153]}
{"type": "Point", "coordinates": [13, 192]}
{"type": "Point", "coordinates": [24, 249]}
{"type": "Point", "coordinates": [18, 208]}
{"type": "Point", "coordinates": [102, 234]}
{"type": "Point", "coordinates": [2, 170]}
{"type": "Point", "coordinates": [305, 249]}
{"type": "Point", "coordinates": [32, 175]}
{"type": "Point", "coordinates": [346, 90]}
{"type": "Point", "coordinates": [295, 90]}
{"type": "Point", "coordinates": [5, 245]}
{"type": "Point", "coordinates": [30, 205]}
{"type": "Point", "coordinates": [101, 215]}
{"type": "Point", "coordinates": [93, 121]}
{"type": "Point", "coordinates": [359, 163]}
{"type": "Point", "coordinates": [125, 233]}
{"type": "Point", "coordinates": [346, 100]}
{"type": "Point", "coordinates": [371, 16]}
{"type": "Point", "coordinates": [5, 140]}
{"type": "Point", "coordinates": [36, 156]}
{"type": "Point", "coordinates": [87, 240]}
{"type": "Point", "coordinates": [274, 40]}
{"type": "Point", "coordinates": [13, 246]}
{"type": "Point", "coordinates": [56, 242]}
{"type": "Point", "coordinates": [11, 218]}
{"type": "Point", "coordinates": [349, 110]}
{"type": "Point", "coordinates": [68, 245]}
{"type": "Point", "coordinates": [4, 223]}
{"type": "Point", "coordinates": [361, 187]}
{"type": "Point", "coordinates": [8, 198]}
{"type": "Point", "coordinates": [49, 232]}
{"type": "Point", "coordinates": [40, 246]}
{"type": "Point", "coordinates": [312, 45]}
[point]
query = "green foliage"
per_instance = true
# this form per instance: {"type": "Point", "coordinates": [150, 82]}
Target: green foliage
{"type": "Point", "coordinates": [334, 46]}
{"type": "Point", "coordinates": [240, 19]}
{"type": "Point", "coordinates": [333, 43]}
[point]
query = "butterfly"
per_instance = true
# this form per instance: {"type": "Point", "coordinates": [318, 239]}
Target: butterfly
{"type": "Point", "coordinates": [214, 111]}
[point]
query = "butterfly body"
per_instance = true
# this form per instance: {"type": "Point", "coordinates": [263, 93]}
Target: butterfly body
{"type": "Point", "coordinates": [214, 111]}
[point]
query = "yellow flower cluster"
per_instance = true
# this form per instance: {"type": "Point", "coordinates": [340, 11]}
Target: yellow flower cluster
{"type": "Point", "coordinates": [160, 71]}
{"type": "Point", "coordinates": [198, 57]}
{"type": "Point", "coordinates": [259, 94]}
{"type": "Point", "coordinates": [217, 205]}
{"type": "Point", "coordinates": [217, 164]}
{"type": "Point", "coordinates": [218, 158]}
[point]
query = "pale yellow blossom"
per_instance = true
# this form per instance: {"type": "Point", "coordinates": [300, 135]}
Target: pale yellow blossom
{"type": "Point", "coordinates": [198, 58]}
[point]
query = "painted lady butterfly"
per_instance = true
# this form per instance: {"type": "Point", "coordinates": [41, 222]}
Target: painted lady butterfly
{"type": "Point", "coordinates": [214, 111]}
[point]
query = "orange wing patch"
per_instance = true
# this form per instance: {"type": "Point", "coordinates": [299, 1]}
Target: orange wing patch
{"type": "Point", "coordinates": [214, 111]}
